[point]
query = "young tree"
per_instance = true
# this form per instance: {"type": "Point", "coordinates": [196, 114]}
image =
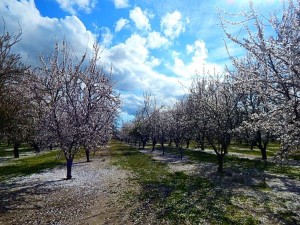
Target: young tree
{"type": "Point", "coordinates": [79, 101]}
{"type": "Point", "coordinates": [153, 113]}
{"type": "Point", "coordinates": [215, 113]}
{"type": "Point", "coordinates": [254, 108]}
{"type": "Point", "coordinates": [141, 126]}
{"type": "Point", "coordinates": [98, 103]}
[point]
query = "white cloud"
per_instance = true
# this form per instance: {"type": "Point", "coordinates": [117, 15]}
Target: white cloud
{"type": "Point", "coordinates": [156, 40]}
{"type": "Point", "coordinates": [140, 18]}
{"type": "Point", "coordinates": [39, 33]}
{"type": "Point", "coordinates": [172, 24]}
{"type": "Point", "coordinates": [131, 102]}
{"type": "Point", "coordinates": [197, 64]}
{"type": "Point", "coordinates": [120, 4]}
{"type": "Point", "coordinates": [121, 23]}
{"type": "Point", "coordinates": [134, 70]}
{"type": "Point", "coordinates": [77, 5]}
{"type": "Point", "coordinates": [153, 62]}
{"type": "Point", "coordinates": [106, 36]}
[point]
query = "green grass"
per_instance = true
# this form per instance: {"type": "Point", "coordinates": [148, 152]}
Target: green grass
{"type": "Point", "coordinates": [24, 166]}
{"type": "Point", "coordinates": [237, 164]}
{"type": "Point", "coordinates": [7, 151]}
{"type": "Point", "coordinates": [30, 165]}
{"type": "Point", "coordinates": [177, 198]}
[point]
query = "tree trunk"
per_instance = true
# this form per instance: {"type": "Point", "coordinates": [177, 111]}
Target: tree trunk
{"type": "Point", "coordinates": [163, 147]}
{"type": "Point", "coordinates": [181, 153]}
{"type": "Point", "coordinates": [16, 150]}
{"type": "Point", "coordinates": [263, 153]}
{"type": "Point", "coordinates": [187, 143]}
{"type": "Point", "coordinates": [144, 144]}
{"type": "Point", "coordinates": [220, 163]}
{"type": "Point", "coordinates": [153, 145]}
{"type": "Point", "coordinates": [69, 168]}
{"type": "Point", "coordinates": [36, 147]}
{"type": "Point", "coordinates": [87, 154]}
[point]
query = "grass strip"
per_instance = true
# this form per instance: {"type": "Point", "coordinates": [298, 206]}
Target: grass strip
{"type": "Point", "coordinates": [176, 198]}
{"type": "Point", "coordinates": [30, 165]}
{"type": "Point", "coordinates": [236, 163]}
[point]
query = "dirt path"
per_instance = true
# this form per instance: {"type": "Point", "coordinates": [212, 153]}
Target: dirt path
{"type": "Point", "coordinates": [92, 196]}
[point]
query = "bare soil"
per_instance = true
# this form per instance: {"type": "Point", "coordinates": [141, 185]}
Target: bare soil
{"type": "Point", "coordinates": [94, 195]}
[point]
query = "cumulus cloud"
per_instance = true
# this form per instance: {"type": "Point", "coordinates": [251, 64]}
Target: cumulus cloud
{"type": "Point", "coordinates": [39, 33]}
{"type": "Point", "coordinates": [172, 24]}
{"type": "Point", "coordinates": [121, 23]}
{"type": "Point", "coordinates": [77, 5]}
{"type": "Point", "coordinates": [120, 4]}
{"type": "Point", "coordinates": [133, 68]}
{"type": "Point", "coordinates": [131, 102]}
{"type": "Point", "coordinates": [198, 62]}
{"type": "Point", "coordinates": [156, 40]}
{"type": "Point", "coordinates": [140, 18]}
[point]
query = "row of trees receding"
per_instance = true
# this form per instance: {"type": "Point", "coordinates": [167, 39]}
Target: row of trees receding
{"type": "Point", "coordinates": [256, 101]}
{"type": "Point", "coordinates": [66, 101]}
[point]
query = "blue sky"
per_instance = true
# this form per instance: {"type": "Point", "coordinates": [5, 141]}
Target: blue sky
{"type": "Point", "coordinates": [156, 46]}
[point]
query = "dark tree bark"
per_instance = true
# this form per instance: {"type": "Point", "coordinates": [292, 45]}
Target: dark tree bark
{"type": "Point", "coordinates": [181, 152]}
{"type": "Point", "coordinates": [87, 154]}
{"type": "Point", "coordinates": [16, 150]}
{"type": "Point", "coordinates": [36, 147]}
{"type": "Point", "coordinates": [263, 153]}
{"type": "Point", "coordinates": [220, 162]}
{"type": "Point", "coordinates": [154, 142]}
{"type": "Point", "coordinates": [69, 168]}
{"type": "Point", "coordinates": [170, 142]}
{"type": "Point", "coordinates": [187, 143]}
{"type": "Point", "coordinates": [162, 147]}
{"type": "Point", "coordinates": [262, 145]}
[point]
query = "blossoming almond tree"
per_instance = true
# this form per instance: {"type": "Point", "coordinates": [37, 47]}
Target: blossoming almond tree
{"type": "Point", "coordinates": [273, 43]}
{"type": "Point", "coordinates": [79, 101]}
{"type": "Point", "coordinates": [99, 105]}
{"type": "Point", "coordinates": [215, 113]}
{"type": "Point", "coordinates": [254, 108]}
{"type": "Point", "coordinates": [15, 101]}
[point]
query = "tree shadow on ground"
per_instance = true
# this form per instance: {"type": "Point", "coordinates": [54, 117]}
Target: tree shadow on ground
{"type": "Point", "coordinates": [14, 194]}
{"type": "Point", "coordinates": [249, 181]}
